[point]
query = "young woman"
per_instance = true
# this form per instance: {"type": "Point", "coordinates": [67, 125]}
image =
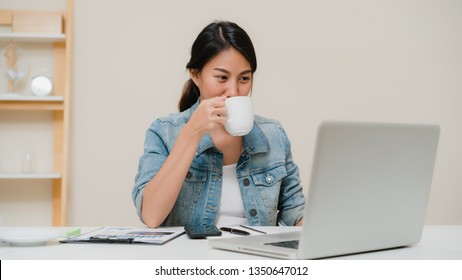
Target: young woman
{"type": "Point", "coordinates": [194, 172]}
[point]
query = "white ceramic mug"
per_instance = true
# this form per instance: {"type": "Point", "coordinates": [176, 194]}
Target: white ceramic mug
{"type": "Point", "coordinates": [240, 115]}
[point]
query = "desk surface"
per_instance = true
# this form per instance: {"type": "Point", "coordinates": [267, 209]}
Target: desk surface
{"type": "Point", "coordinates": [438, 243]}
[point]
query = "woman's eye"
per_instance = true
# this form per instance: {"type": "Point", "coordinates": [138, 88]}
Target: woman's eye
{"type": "Point", "coordinates": [245, 78]}
{"type": "Point", "coordinates": [222, 78]}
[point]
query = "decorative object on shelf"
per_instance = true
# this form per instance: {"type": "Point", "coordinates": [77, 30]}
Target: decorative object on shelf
{"type": "Point", "coordinates": [41, 85]}
{"type": "Point", "coordinates": [15, 64]}
{"type": "Point", "coordinates": [27, 163]}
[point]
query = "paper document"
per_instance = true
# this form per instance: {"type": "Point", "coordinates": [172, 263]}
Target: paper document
{"type": "Point", "coordinates": [127, 235]}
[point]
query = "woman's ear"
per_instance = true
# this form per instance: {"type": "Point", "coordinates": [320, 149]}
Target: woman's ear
{"type": "Point", "coordinates": [194, 75]}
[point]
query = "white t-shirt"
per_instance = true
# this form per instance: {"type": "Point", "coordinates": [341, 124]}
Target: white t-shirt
{"type": "Point", "coordinates": [231, 209]}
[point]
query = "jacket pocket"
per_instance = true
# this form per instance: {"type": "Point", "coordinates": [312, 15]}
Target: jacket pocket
{"type": "Point", "coordinates": [192, 185]}
{"type": "Point", "coordinates": [268, 183]}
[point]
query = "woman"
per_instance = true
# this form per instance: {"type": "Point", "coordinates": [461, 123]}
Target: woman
{"type": "Point", "coordinates": [194, 172]}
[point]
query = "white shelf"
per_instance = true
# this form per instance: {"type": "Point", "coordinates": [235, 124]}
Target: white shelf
{"type": "Point", "coordinates": [51, 175]}
{"type": "Point", "coordinates": [20, 97]}
{"type": "Point", "coordinates": [33, 37]}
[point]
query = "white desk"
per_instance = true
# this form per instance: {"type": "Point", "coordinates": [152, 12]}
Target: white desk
{"type": "Point", "coordinates": [438, 243]}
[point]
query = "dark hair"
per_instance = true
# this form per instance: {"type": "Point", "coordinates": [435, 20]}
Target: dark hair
{"type": "Point", "coordinates": [213, 39]}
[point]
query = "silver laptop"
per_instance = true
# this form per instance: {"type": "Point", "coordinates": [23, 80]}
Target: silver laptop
{"type": "Point", "coordinates": [369, 190]}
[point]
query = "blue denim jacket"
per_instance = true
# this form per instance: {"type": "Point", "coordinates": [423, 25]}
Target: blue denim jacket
{"type": "Point", "coordinates": [268, 178]}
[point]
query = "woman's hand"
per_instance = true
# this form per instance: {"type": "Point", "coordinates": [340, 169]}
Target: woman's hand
{"type": "Point", "coordinates": [210, 114]}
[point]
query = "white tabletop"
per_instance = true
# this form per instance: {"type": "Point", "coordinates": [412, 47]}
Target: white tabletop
{"type": "Point", "coordinates": [438, 242]}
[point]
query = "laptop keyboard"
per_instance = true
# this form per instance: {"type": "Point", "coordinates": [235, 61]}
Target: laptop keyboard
{"type": "Point", "coordinates": [287, 244]}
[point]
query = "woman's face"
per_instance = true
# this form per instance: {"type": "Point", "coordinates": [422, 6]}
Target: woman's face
{"type": "Point", "coordinates": [227, 74]}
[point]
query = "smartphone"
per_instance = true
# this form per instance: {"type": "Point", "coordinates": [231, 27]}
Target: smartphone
{"type": "Point", "coordinates": [199, 231]}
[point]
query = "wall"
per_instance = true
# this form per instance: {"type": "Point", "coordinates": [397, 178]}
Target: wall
{"type": "Point", "coordinates": [393, 61]}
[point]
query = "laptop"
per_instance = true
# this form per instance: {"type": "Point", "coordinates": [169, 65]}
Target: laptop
{"type": "Point", "coordinates": [369, 190]}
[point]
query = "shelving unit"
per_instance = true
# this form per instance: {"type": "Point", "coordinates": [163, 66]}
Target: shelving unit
{"type": "Point", "coordinates": [30, 176]}
{"type": "Point", "coordinates": [12, 101]}
{"type": "Point", "coordinates": [33, 37]}
{"type": "Point", "coordinates": [58, 103]}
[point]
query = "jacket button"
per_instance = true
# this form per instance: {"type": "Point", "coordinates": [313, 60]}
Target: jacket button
{"type": "Point", "coordinates": [269, 179]}
{"type": "Point", "coordinates": [246, 182]}
{"type": "Point", "coordinates": [188, 175]}
{"type": "Point", "coordinates": [253, 212]}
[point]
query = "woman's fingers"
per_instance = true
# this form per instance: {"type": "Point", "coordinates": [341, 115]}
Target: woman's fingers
{"type": "Point", "coordinates": [210, 114]}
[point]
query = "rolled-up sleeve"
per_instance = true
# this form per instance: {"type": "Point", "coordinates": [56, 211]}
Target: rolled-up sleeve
{"type": "Point", "coordinates": [154, 155]}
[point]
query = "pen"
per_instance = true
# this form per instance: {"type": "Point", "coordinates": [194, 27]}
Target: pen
{"type": "Point", "coordinates": [234, 231]}
{"type": "Point", "coordinates": [110, 239]}
{"type": "Point", "coordinates": [256, 230]}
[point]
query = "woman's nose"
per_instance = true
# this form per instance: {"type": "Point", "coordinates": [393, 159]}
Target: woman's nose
{"type": "Point", "coordinates": [232, 90]}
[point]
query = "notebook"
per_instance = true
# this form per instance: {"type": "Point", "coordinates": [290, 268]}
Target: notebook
{"type": "Point", "coordinates": [369, 189]}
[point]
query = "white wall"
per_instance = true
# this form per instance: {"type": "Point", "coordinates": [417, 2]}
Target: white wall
{"type": "Point", "coordinates": [394, 61]}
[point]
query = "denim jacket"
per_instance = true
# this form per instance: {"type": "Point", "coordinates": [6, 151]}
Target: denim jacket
{"type": "Point", "coordinates": [268, 178]}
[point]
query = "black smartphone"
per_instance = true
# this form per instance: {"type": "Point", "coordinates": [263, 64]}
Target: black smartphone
{"type": "Point", "coordinates": [199, 231]}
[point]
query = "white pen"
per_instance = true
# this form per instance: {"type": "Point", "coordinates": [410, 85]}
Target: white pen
{"type": "Point", "coordinates": [247, 227]}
